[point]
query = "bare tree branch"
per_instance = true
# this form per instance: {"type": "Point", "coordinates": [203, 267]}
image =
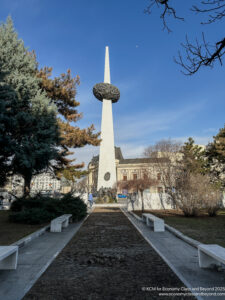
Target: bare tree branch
{"type": "Point", "coordinates": [167, 11]}
{"type": "Point", "coordinates": [198, 55]}
{"type": "Point", "coordinates": [215, 9]}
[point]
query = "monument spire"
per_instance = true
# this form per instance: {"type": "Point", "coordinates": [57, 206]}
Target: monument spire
{"type": "Point", "coordinates": [108, 94]}
{"type": "Point", "coordinates": [107, 68]}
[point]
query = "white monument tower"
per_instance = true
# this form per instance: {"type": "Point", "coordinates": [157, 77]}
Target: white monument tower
{"type": "Point", "coordinates": [108, 94]}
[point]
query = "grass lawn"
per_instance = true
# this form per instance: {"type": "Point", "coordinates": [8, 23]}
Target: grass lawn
{"type": "Point", "coordinates": [208, 230]}
{"type": "Point", "coordinates": [12, 232]}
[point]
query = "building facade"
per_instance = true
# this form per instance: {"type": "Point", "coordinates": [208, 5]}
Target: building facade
{"type": "Point", "coordinates": [45, 182]}
{"type": "Point", "coordinates": [127, 169]}
{"type": "Point", "coordinates": [41, 182]}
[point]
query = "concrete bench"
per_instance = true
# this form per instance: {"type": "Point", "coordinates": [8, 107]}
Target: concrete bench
{"type": "Point", "coordinates": [8, 257]}
{"type": "Point", "coordinates": [210, 256]}
{"type": "Point", "coordinates": [61, 222]}
{"type": "Point", "coordinates": [158, 224]}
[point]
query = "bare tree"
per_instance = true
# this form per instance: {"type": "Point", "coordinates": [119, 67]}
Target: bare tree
{"type": "Point", "coordinates": [195, 192]}
{"type": "Point", "coordinates": [145, 181]}
{"type": "Point", "coordinates": [196, 54]}
{"type": "Point", "coordinates": [168, 167]}
{"type": "Point", "coordinates": [189, 189]}
{"type": "Point", "coordinates": [81, 186]}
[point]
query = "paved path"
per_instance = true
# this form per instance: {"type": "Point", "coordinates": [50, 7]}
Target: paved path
{"type": "Point", "coordinates": [107, 259]}
{"type": "Point", "coordinates": [34, 258]}
{"type": "Point", "coordinates": [183, 259]}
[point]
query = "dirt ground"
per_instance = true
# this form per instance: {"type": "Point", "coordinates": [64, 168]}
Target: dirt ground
{"type": "Point", "coordinates": [106, 259]}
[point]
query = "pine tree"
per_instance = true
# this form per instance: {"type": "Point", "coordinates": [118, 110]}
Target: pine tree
{"type": "Point", "coordinates": [62, 92]}
{"type": "Point", "coordinates": [217, 148]}
{"type": "Point", "coordinates": [216, 157]}
{"type": "Point", "coordinates": [7, 123]}
{"type": "Point", "coordinates": [34, 133]}
{"type": "Point", "coordinates": [193, 158]}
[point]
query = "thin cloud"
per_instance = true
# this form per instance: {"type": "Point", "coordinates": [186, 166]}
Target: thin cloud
{"type": "Point", "coordinates": [132, 150]}
{"type": "Point", "coordinates": [140, 125]}
{"type": "Point", "coordinates": [33, 6]}
{"type": "Point", "coordinates": [84, 154]}
{"type": "Point", "coordinates": [210, 130]}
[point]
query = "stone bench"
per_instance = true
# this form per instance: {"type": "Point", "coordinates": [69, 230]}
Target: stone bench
{"type": "Point", "coordinates": [61, 222]}
{"type": "Point", "coordinates": [158, 224]}
{"type": "Point", "coordinates": [8, 257]}
{"type": "Point", "coordinates": [210, 256]}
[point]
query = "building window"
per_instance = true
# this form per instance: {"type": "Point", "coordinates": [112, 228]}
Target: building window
{"type": "Point", "coordinates": [134, 176]}
{"type": "Point", "coordinates": [124, 177]}
{"type": "Point", "coordinates": [145, 176]}
{"type": "Point", "coordinates": [159, 176]}
{"type": "Point", "coordinates": [160, 189]}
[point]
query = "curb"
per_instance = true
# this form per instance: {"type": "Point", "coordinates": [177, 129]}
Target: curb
{"type": "Point", "coordinates": [183, 237]}
{"type": "Point", "coordinates": [24, 241]}
{"type": "Point", "coordinates": [109, 205]}
{"type": "Point", "coordinates": [134, 215]}
{"type": "Point", "coordinates": [174, 231]}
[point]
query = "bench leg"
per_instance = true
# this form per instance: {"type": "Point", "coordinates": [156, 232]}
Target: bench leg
{"type": "Point", "coordinates": [148, 223]}
{"type": "Point", "coordinates": [206, 261]}
{"type": "Point", "coordinates": [56, 227]}
{"type": "Point", "coordinates": [159, 227]}
{"type": "Point", "coordinates": [10, 262]}
{"type": "Point", "coordinates": [65, 223]}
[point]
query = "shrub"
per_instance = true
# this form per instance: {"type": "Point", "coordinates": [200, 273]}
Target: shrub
{"type": "Point", "coordinates": [31, 216]}
{"type": "Point", "coordinates": [17, 205]}
{"type": "Point", "coordinates": [105, 199]}
{"type": "Point", "coordinates": [111, 200]}
{"type": "Point", "coordinates": [196, 193]}
{"type": "Point", "coordinates": [213, 201]}
{"type": "Point", "coordinates": [40, 209]}
{"type": "Point", "coordinates": [73, 205]}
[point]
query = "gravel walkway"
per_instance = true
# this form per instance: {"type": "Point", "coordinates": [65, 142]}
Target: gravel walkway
{"type": "Point", "coordinates": [106, 259]}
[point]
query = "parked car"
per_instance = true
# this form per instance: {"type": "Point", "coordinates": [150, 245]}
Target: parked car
{"type": "Point", "coordinates": [46, 193]}
{"type": "Point", "coordinates": [6, 200]}
{"type": "Point", "coordinates": [121, 196]}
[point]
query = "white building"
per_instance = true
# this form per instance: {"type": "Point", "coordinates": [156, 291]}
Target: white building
{"type": "Point", "coordinates": [45, 182]}
{"type": "Point", "coordinates": [41, 182]}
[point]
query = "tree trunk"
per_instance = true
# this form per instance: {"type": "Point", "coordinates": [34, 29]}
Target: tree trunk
{"type": "Point", "coordinates": [26, 188]}
{"type": "Point", "coordinates": [142, 202]}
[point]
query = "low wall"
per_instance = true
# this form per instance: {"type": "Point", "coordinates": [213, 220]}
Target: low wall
{"type": "Point", "coordinates": [154, 201]}
{"type": "Point", "coordinates": [83, 196]}
{"type": "Point", "coordinates": [151, 201]}
{"type": "Point", "coordinates": [223, 201]}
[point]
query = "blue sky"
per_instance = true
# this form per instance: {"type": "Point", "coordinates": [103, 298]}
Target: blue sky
{"type": "Point", "coordinates": [157, 101]}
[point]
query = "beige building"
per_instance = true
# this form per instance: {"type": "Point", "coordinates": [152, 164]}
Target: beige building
{"type": "Point", "coordinates": [127, 169]}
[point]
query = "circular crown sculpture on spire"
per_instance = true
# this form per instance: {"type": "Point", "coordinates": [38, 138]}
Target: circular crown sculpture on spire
{"type": "Point", "coordinates": [106, 91]}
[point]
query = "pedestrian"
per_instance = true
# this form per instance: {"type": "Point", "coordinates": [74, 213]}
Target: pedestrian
{"type": "Point", "coordinates": [90, 199]}
{"type": "Point", "coordinates": [1, 201]}
{"type": "Point", "coordinates": [133, 199]}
